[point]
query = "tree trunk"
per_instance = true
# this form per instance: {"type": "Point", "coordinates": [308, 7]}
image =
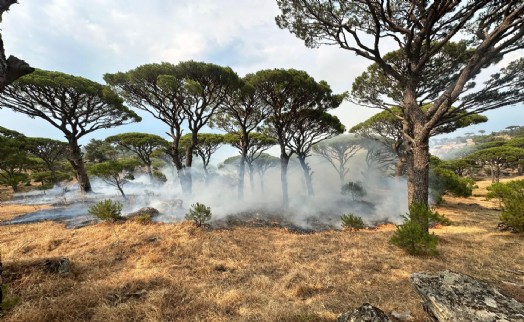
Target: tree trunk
{"type": "Point", "coordinates": [77, 162]}
{"type": "Point", "coordinates": [206, 174]}
{"type": "Point", "coordinates": [181, 173]}
{"type": "Point", "coordinates": [416, 138]}
{"type": "Point", "coordinates": [121, 191]}
{"type": "Point", "coordinates": [188, 177]}
{"type": "Point", "coordinates": [341, 177]}
{"type": "Point", "coordinates": [400, 166]}
{"type": "Point", "coordinates": [307, 175]}
{"type": "Point", "coordinates": [56, 181]}
{"type": "Point", "coordinates": [149, 172]}
{"type": "Point", "coordinates": [1, 282]}
{"type": "Point", "coordinates": [418, 174]}
{"type": "Point", "coordinates": [186, 181]}
{"type": "Point", "coordinates": [241, 174]}
{"type": "Point", "coordinates": [251, 177]}
{"type": "Point", "coordinates": [284, 161]}
{"type": "Point", "coordinates": [492, 172]}
{"type": "Point", "coordinates": [261, 176]}
{"type": "Point", "coordinates": [11, 69]}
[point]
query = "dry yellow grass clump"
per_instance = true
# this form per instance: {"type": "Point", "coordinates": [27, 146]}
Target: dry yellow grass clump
{"type": "Point", "coordinates": [177, 272]}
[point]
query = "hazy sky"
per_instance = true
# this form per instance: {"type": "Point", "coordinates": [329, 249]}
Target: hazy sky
{"type": "Point", "coordinates": [91, 37]}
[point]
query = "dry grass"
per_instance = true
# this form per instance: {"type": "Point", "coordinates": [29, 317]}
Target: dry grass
{"type": "Point", "coordinates": [177, 272]}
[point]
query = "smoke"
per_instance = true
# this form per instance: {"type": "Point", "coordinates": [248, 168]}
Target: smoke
{"type": "Point", "coordinates": [385, 199]}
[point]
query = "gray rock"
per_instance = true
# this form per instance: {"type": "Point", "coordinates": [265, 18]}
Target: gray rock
{"type": "Point", "coordinates": [146, 211]}
{"type": "Point", "coordinates": [365, 313]}
{"type": "Point", "coordinates": [402, 316]}
{"type": "Point", "coordinates": [504, 227]}
{"type": "Point", "coordinates": [57, 266]}
{"type": "Point", "coordinates": [450, 297]}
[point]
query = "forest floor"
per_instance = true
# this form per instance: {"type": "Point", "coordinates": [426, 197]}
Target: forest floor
{"type": "Point", "coordinates": [178, 272]}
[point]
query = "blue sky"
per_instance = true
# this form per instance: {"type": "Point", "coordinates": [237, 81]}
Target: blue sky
{"type": "Point", "coordinates": [91, 37]}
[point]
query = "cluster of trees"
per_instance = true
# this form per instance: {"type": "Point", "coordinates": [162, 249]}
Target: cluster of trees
{"type": "Point", "coordinates": [494, 153]}
{"type": "Point", "coordinates": [284, 107]}
{"type": "Point", "coordinates": [23, 159]}
{"type": "Point", "coordinates": [288, 106]}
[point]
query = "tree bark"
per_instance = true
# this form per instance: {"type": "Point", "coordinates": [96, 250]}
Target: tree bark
{"type": "Point", "coordinates": [251, 178]}
{"type": "Point", "coordinates": [121, 191]}
{"type": "Point", "coordinates": [149, 172]}
{"type": "Point", "coordinates": [185, 180]}
{"type": "Point", "coordinates": [262, 184]}
{"type": "Point", "coordinates": [55, 176]}
{"type": "Point", "coordinates": [284, 161]}
{"type": "Point", "coordinates": [416, 138]}
{"type": "Point", "coordinates": [188, 177]}
{"type": "Point", "coordinates": [492, 172]}
{"type": "Point", "coordinates": [77, 162]}
{"type": "Point", "coordinates": [400, 167]}
{"type": "Point", "coordinates": [497, 173]}
{"type": "Point", "coordinates": [241, 174]}
{"type": "Point", "coordinates": [418, 174]}
{"type": "Point", "coordinates": [307, 175]}
{"type": "Point", "coordinates": [1, 282]}
{"type": "Point", "coordinates": [341, 177]}
{"type": "Point", "coordinates": [180, 170]}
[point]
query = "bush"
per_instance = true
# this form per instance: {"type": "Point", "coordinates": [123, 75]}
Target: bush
{"type": "Point", "coordinates": [352, 222]}
{"type": "Point", "coordinates": [199, 214]}
{"type": "Point", "coordinates": [437, 218]}
{"type": "Point", "coordinates": [159, 177]}
{"type": "Point", "coordinates": [413, 235]}
{"type": "Point", "coordinates": [106, 210]}
{"type": "Point", "coordinates": [511, 196]}
{"type": "Point", "coordinates": [354, 189]}
{"type": "Point", "coordinates": [8, 301]}
{"type": "Point", "coordinates": [443, 181]}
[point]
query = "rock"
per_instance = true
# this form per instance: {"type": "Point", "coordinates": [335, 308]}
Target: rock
{"type": "Point", "coordinates": [452, 296]}
{"type": "Point", "coordinates": [365, 313]}
{"type": "Point", "coordinates": [57, 266]}
{"type": "Point", "coordinates": [504, 227]}
{"type": "Point", "coordinates": [402, 316]}
{"type": "Point", "coordinates": [146, 212]}
{"type": "Point", "coordinates": [81, 221]}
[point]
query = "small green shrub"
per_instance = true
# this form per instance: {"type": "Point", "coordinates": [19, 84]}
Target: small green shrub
{"type": "Point", "coordinates": [443, 180]}
{"type": "Point", "coordinates": [199, 214]}
{"type": "Point", "coordinates": [159, 177]}
{"type": "Point", "coordinates": [45, 186]}
{"type": "Point", "coordinates": [8, 302]}
{"type": "Point", "coordinates": [107, 210]}
{"type": "Point", "coordinates": [511, 196]}
{"type": "Point", "coordinates": [352, 222]}
{"type": "Point", "coordinates": [354, 189]}
{"type": "Point", "coordinates": [413, 235]}
{"type": "Point", "coordinates": [437, 218]}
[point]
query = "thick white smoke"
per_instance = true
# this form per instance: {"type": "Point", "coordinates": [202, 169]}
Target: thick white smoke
{"type": "Point", "coordinates": [386, 198]}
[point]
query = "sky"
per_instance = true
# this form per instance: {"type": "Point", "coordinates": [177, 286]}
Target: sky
{"type": "Point", "coordinates": [89, 38]}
